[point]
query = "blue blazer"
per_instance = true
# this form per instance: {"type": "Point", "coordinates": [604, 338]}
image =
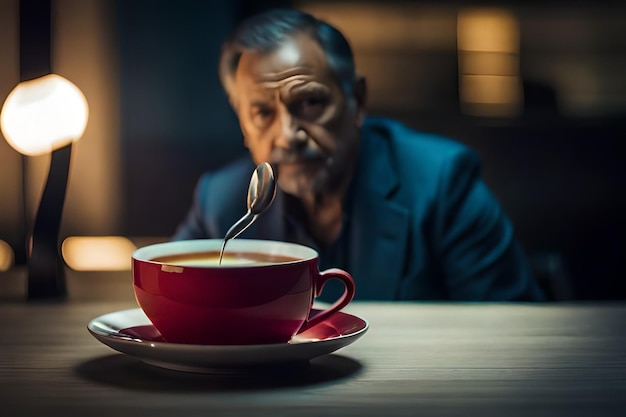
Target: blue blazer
{"type": "Point", "coordinates": [423, 224]}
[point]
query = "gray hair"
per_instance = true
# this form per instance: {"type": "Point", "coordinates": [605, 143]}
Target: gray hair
{"type": "Point", "coordinates": [268, 30]}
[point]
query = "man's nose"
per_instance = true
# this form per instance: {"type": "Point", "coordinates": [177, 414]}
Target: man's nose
{"type": "Point", "coordinates": [291, 134]}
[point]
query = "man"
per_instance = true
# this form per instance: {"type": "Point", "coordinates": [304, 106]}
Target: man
{"type": "Point", "coordinates": [405, 213]}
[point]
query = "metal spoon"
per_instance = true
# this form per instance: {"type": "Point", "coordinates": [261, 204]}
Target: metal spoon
{"type": "Point", "coordinates": [261, 193]}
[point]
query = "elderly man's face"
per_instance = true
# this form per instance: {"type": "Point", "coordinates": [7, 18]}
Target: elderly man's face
{"type": "Point", "coordinates": [294, 114]}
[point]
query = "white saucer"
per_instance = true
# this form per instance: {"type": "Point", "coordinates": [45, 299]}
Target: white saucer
{"type": "Point", "coordinates": [130, 332]}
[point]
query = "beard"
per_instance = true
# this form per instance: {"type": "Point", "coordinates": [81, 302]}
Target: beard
{"type": "Point", "coordinates": [311, 170]}
{"type": "Point", "coordinates": [312, 176]}
{"type": "Point", "coordinates": [303, 178]}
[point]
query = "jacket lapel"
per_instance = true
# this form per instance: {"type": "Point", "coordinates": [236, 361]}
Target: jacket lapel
{"type": "Point", "coordinates": [379, 245]}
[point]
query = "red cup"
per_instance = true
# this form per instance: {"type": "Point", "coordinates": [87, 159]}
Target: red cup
{"type": "Point", "coordinates": [262, 293]}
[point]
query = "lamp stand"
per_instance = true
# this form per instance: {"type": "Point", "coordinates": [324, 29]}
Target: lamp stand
{"type": "Point", "coordinates": [46, 269]}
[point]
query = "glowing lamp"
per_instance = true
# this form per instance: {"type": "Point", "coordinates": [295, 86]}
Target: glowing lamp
{"type": "Point", "coordinates": [46, 115]}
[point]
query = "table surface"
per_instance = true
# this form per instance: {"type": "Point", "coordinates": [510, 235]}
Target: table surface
{"type": "Point", "coordinates": [417, 359]}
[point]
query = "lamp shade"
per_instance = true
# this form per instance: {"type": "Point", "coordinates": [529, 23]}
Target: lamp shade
{"type": "Point", "coordinates": [44, 114]}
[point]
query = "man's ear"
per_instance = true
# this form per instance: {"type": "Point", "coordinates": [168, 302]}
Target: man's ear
{"type": "Point", "coordinates": [360, 95]}
{"type": "Point", "coordinates": [232, 100]}
{"type": "Point", "coordinates": [244, 136]}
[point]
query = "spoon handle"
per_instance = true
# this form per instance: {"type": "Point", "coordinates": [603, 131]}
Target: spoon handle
{"type": "Point", "coordinates": [236, 229]}
{"type": "Point", "coordinates": [241, 225]}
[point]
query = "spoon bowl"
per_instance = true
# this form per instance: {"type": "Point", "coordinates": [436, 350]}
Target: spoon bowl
{"type": "Point", "coordinates": [262, 189]}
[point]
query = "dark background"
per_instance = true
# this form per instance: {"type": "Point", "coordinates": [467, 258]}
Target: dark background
{"type": "Point", "coordinates": [560, 178]}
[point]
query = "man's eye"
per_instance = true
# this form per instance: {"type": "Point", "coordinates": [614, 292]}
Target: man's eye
{"type": "Point", "coordinates": [311, 107]}
{"type": "Point", "coordinates": [262, 115]}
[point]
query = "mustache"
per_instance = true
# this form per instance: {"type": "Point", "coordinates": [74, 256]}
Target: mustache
{"type": "Point", "coordinates": [286, 156]}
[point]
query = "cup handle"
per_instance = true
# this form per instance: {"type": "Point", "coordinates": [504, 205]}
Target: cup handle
{"type": "Point", "coordinates": [348, 294]}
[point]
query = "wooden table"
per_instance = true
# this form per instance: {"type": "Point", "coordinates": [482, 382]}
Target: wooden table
{"type": "Point", "coordinates": [417, 359]}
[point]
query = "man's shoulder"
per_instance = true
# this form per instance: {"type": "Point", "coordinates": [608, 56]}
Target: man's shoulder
{"type": "Point", "coordinates": [234, 171]}
{"type": "Point", "coordinates": [227, 185]}
{"type": "Point", "coordinates": [409, 145]}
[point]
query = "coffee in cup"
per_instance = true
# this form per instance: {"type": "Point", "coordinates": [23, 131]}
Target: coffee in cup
{"type": "Point", "coordinates": [262, 293]}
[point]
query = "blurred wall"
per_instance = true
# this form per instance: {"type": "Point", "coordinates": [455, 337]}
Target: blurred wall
{"type": "Point", "coordinates": [176, 121]}
{"type": "Point", "coordinates": [83, 50]}
{"type": "Point", "coordinates": [159, 117]}
{"type": "Point", "coordinates": [11, 203]}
